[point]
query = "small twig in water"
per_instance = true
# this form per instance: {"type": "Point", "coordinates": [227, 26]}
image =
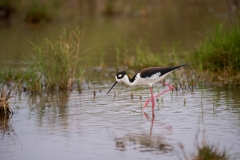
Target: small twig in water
{"type": "Point", "coordinates": [94, 93]}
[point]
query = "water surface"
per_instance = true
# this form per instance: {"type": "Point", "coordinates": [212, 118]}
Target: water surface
{"type": "Point", "coordinates": [73, 125]}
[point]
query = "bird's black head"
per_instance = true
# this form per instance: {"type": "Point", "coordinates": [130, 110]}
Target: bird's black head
{"type": "Point", "coordinates": [120, 75]}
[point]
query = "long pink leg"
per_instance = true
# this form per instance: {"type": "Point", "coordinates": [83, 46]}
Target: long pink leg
{"type": "Point", "coordinates": [147, 101]}
{"type": "Point", "coordinates": [153, 103]}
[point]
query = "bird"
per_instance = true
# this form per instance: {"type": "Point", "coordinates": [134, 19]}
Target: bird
{"type": "Point", "coordinates": [147, 76]}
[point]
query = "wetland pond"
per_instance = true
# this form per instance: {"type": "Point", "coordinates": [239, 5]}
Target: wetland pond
{"type": "Point", "coordinates": [79, 126]}
{"type": "Point", "coordinates": [72, 125]}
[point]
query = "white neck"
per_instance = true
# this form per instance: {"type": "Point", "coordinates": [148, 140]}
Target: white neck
{"type": "Point", "coordinates": [125, 80]}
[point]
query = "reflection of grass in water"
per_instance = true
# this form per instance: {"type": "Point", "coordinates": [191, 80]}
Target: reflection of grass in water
{"type": "Point", "coordinates": [50, 104]}
{"type": "Point", "coordinates": [4, 126]}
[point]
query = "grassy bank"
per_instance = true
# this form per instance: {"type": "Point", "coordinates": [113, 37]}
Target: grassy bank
{"type": "Point", "coordinates": [220, 52]}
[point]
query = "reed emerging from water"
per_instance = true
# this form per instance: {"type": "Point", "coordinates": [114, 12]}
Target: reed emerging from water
{"type": "Point", "coordinates": [55, 64]}
{"type": "Point", "coordinates": [206, 150]}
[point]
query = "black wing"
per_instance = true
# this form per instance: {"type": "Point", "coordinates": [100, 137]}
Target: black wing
{"type": "Point", "coordinates": [148, 72]}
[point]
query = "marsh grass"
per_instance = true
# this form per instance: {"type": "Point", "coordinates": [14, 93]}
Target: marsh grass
{"type": "Point", "coordinates": [220, 52]}
{"type": "Point", "coordinates": [144, 57]}
{"type": "Point", "coordinates": [10, 76]}
{"type": "Point", "coordinates": [209, 151]}
{"type": "Point", "coordinates": [54, 66]}
{"type": "Point", "coordinates": [205, 150]}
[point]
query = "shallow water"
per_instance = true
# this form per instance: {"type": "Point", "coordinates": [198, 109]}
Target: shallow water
{"type": "Point", "coordinates": [72, 125]}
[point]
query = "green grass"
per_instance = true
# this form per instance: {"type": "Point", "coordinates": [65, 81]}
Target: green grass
{"type": "Point", "coordinates": [209, 151]}
{"type": "Point", "coordinates": [220, 52]}
{"type": "Point", "coordinates": [144, 57]}
{"type": "Point", "coordinates": [54, 65]}
{"type": "Point", "coordinates": [205, 150]}
{"type": "Point", "coordinates": [9, 76]}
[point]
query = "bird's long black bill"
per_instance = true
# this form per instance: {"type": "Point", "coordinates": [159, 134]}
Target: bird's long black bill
{"type": "Point", "coordinates": [112, 86]}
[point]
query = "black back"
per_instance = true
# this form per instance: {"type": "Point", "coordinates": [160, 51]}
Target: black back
{"type": "Point", "coordinates": [148, 72]}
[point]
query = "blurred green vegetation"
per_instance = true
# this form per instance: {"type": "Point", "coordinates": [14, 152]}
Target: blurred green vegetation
{"type": "Point", "coordinates": [53, 64]}
{"type": "Point", "coordinates": [35, 11]}
{"type": "Point", "coordinates": [220, 52]}
{"type": "Point", "coordinates": [218, 55]}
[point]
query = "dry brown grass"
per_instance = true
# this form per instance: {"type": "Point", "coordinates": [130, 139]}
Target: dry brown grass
{"type": "Point", "coordinates": [5, 108]}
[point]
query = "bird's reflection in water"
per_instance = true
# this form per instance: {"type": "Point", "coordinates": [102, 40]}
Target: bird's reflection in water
{"type": "Point", "coordinates": [146, 142]}
{"type": "Point", "coordinates": [167, 128]}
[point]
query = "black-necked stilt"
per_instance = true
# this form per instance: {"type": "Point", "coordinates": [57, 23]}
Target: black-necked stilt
{"type": "Point", "coordinates": [147, 76]}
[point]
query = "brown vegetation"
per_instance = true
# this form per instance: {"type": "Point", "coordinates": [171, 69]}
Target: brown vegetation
{"type": "Point", "coordinates": [5, 108]}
